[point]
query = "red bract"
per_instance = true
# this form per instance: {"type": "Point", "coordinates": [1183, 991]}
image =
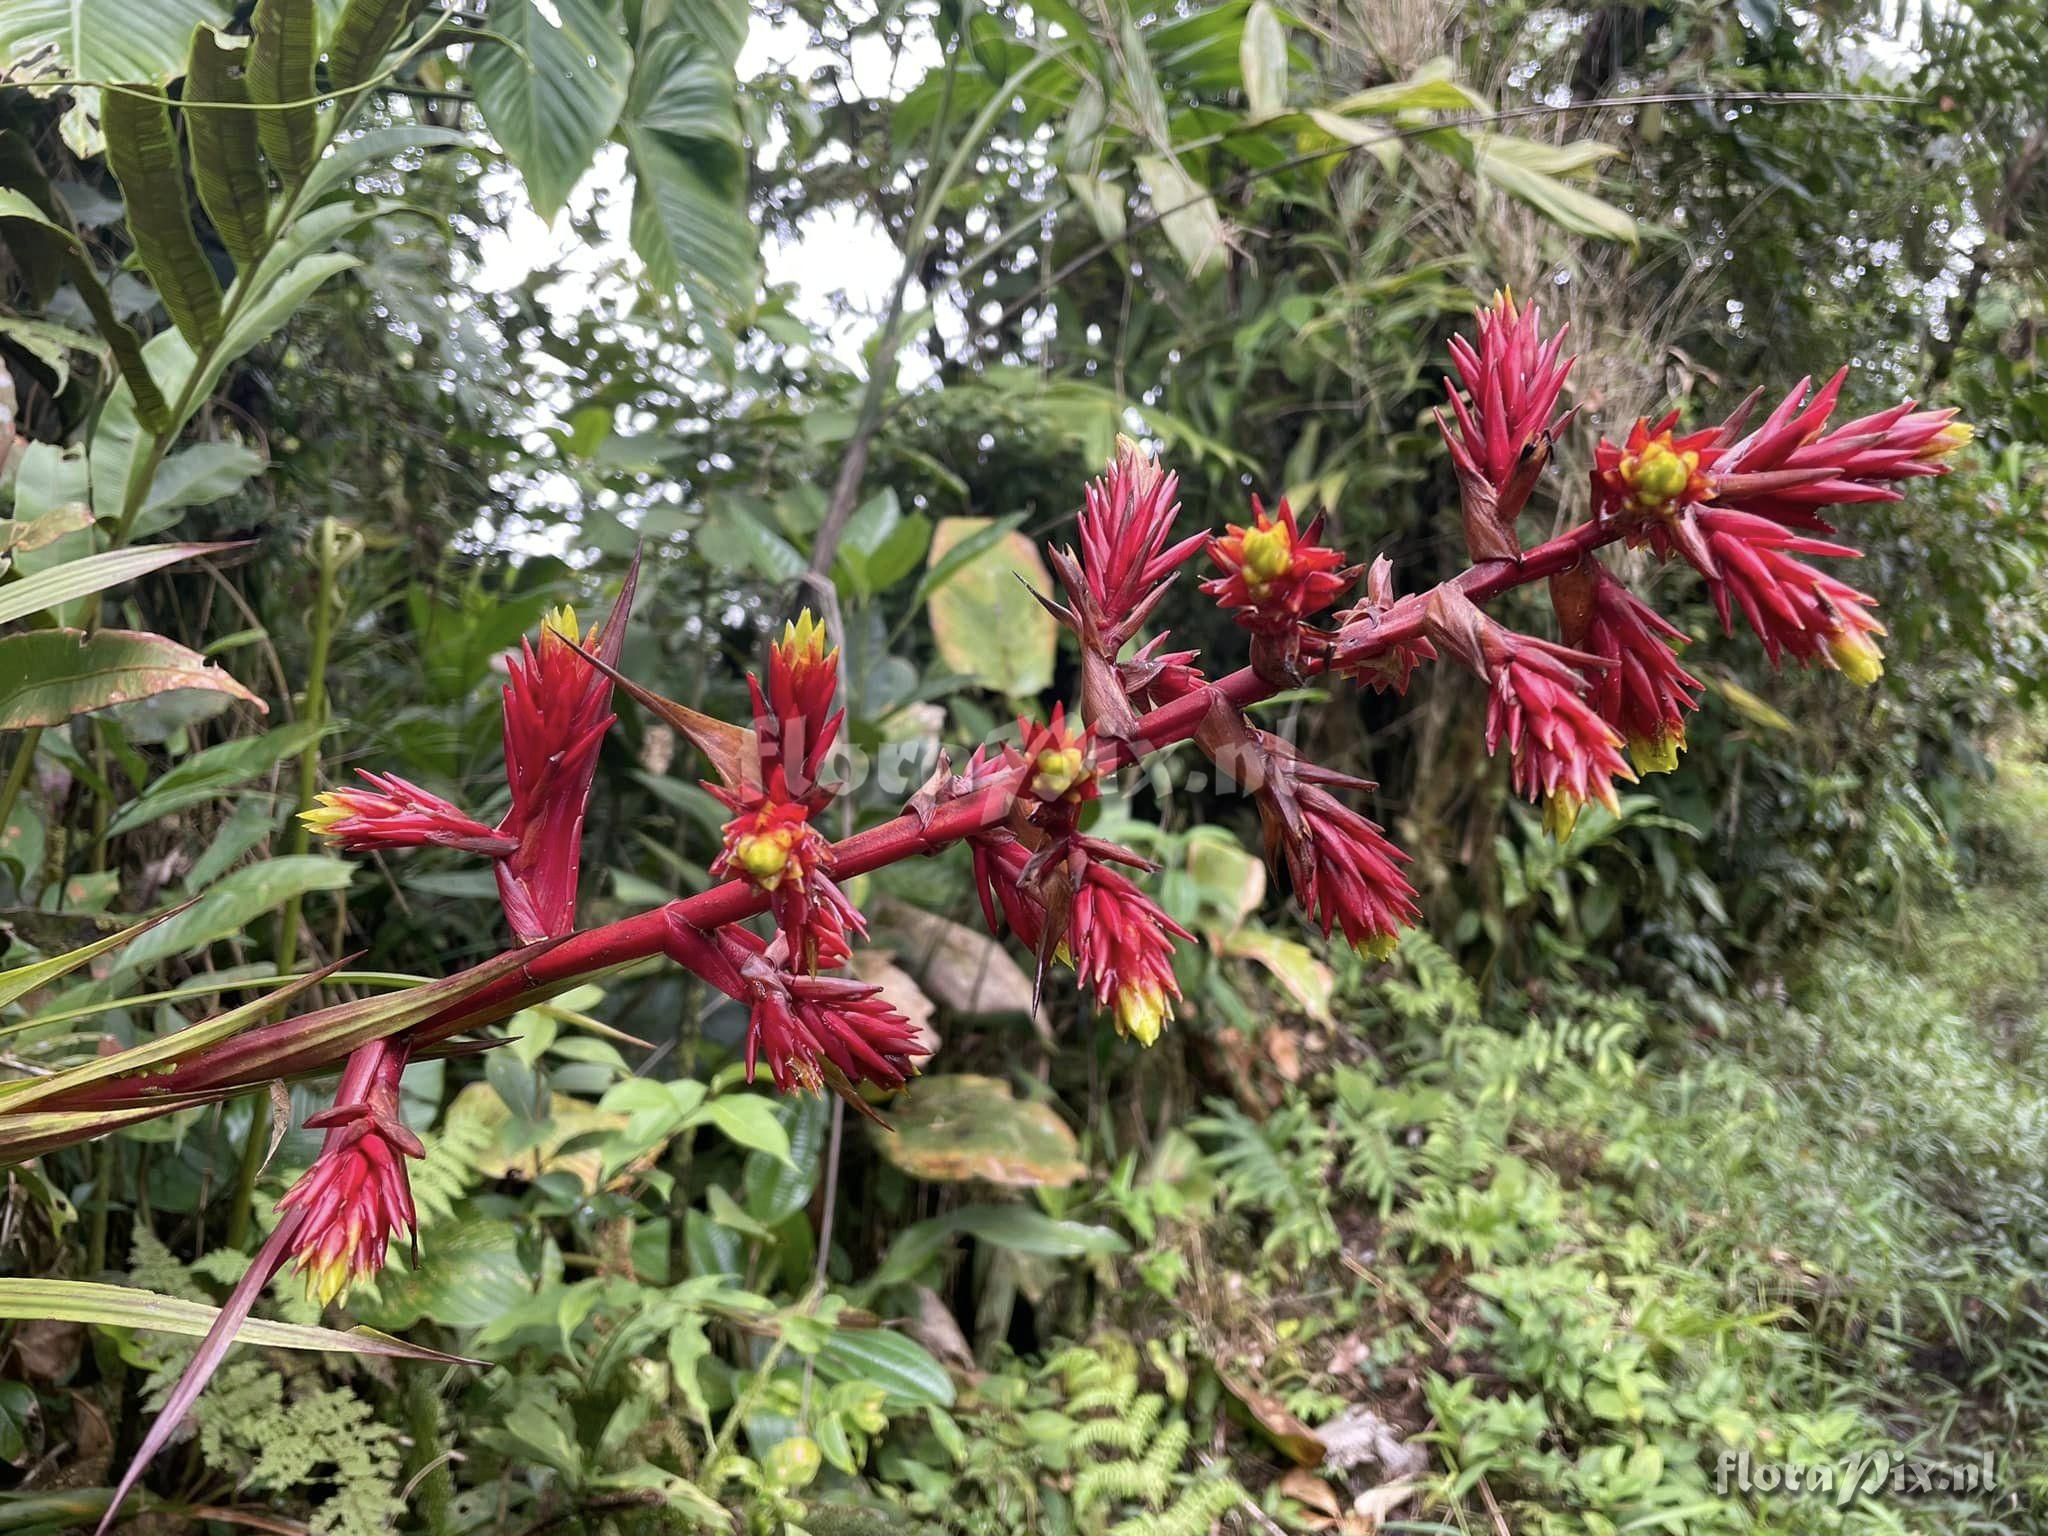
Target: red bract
{"type": "Point", "coordinates": [794, 722]}
{"type": "Point", "coordinates": [1122, 946]}
{"type": "Point", "coordinates": [1794, 608]}
{"type": "Point", "coordinates": [1505, 426]}
{"type": "Point", "coordinates": [1344, 870]}
{"type": "Point", "coordinates": [999, 864]}
{"type": "Point", "coordinates": [815, 1030]}
{"type": "Point", "coordinates": [1384, 668]}
{"type": "Point", "coordinates": [1644, 693]}
{"type": "Point", "coordinates": [1564, 754]}
{"type": "Point", "coordinates": [1125, 562]}
{"type": "Point", "coordinates": [397, 813]}
{"type": "Point", "coordinates": [1275, 573]}
{"type": "Point", "coordinates": [557, 710]}
{"type": "Point", "coordinates": [356, 1197]}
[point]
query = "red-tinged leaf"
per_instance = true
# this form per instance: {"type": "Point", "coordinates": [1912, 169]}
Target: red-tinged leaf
{"type": "Point", "coordinates": [212, 1350]}
{"type": "Point", "coordinates": [48, 676]}
{"type": "Point", "coordinates": [728, 748]}
{"type": "Point", "coordinates": [154, 1056]}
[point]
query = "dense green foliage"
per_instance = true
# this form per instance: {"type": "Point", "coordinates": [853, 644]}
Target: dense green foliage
{"type": "Point", "coordinates": [1717, 1128]}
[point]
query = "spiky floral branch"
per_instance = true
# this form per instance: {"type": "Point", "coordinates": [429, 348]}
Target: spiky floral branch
{"type": "Point", "coordinates": [1741, 510]}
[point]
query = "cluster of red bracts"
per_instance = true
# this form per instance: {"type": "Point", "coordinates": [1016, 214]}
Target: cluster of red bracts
{"type": "Point", "coordinates": [1740, 509]}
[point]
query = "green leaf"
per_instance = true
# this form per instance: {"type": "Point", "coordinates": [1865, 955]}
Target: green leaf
{"type": "Point", "coordinates": [1262, 59]}
{"type": "Point", "coordinates": [95, 573]}
{"type": "Point", "coordinates": [470, 1274]}
{"type": "Point", "coordinates": [205, 472]}
{"type": "Point", "coordinates": [345, 158]}
{"type": "Point", "coordinates": [551, 94]}
{"type": "Point", "coordinates": [731, 538]}
{"type": "Point", "coordinates": [123, 1306]}
{"type": "Point", "coordinates": [224, 147]}
{"type": "Point", "coordinates": [205, 775]}
{"type": "Point", "coordinates": [142, 149]}
{"type": "Point", "coordinates": [777, 1188]}
{"type": "Point", "coordinates": [50, 343]}
{"type": "Point", "coordinates": [234, 903]}
{"type": "Point", "coordinates": [903, 1368]}
{"type": "Point", "coordinates": [986, 625]}
{"type": "Point", "coordinates": [364, 35]}
{"type": "Point", "coordinates": [282, 52]}
{"type": "Point", "coordinates": [684, 90]}
{"type": "Point", "coordinates": [24, 979]}
{"type": "Point", "coordinates": [49, 676]}
{"type": "Point", "coordinates": [750, 1120]}
{"type": "Point", "coordinates": [1186, 212]}
{"type": "Point", "coordinates": [107, 39]}
{"type": "Point", "coordinates": [146, 401]}
{"type": "Point", "coordinates": [1530, 172]}
{"type": "Point", "coordinates": [688, 225]}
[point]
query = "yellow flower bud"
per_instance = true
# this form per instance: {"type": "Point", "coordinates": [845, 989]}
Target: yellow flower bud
{"type": "Point", "coordinates": [1380, 947]}
{"type": "Point", "coordinates": [1141, 1013]}
{"type": "Point", "coordinates": [805, 639]}
{"type": "Point", "coordinates": [321, 817]}
{"type": "Point", "coordinates": [1058, 769]}
{"type": "Point", "coordinates": [1857, 656]}
{"type": "Point", "coordinates": [1561, 814]}
{"type": "Point", "coordinates": [1658, 475]}
{"type": "Point", "coordinates": [764, 856]}
{"type": "Point", "coordinates": [1268, 555]}
{"type": "Point", "coordinates": [1948, 442]}
{"type": "Point", "coordinates": [1656, 754]}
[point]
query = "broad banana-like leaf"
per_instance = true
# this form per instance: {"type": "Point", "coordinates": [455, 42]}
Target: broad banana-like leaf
{"type": "Point", "coordinates": [47, 676]}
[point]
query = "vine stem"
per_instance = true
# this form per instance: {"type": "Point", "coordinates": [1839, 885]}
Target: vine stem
{"type": "Point", "coordinates": [251, 1058]}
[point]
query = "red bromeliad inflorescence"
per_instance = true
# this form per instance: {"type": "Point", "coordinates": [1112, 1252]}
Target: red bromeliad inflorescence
{"type": "Point", "coordinates": [1741, 510]}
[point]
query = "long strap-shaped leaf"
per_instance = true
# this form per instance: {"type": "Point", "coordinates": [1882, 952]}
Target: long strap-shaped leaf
{"type": "Point", "coordinates": [123, 1306]}
{"type": "Point", "coordinates": [224, 148]}
{"type": "Point", "coordinates": [142, 148]}
{"type": "Point", "coordinates": [363, 36]}
{"type": "Point", "coordinates": [150, 407]}
{"type": "Point", "coordinates": [281, 73]}
{"type": "Point", "coordinates": [24, 979]}
{"type": "Point", "coordinates": [95, 573]}
{"type": "Point", "coordinates": [212, 1350]}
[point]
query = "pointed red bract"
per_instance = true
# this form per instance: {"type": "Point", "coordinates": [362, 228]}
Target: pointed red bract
{"type": "Point", "coordinates": [1122, 946]}
{"type": "Point", "coordinates": [1384, 669]}
{"type": "Point", "coordinates": [1564, 754]}
{"type": "Point", "coordinates": [1645, 694]}
{"type": "Point", "coordinates": [397, 813]}
{"type": "Point", "coordinates": [557, 710]}
{"type": "Point", "coordinates": [794, 722]}
{"type": "Point", "coordinates": [1796, 609]}
{"type": "Point", "coordinates": [1507, 415]}
{"type": "Point", "coordinates": [1125, 561]}
{"type": "Point", "coordinates": [1346, 872]}
{"type": "Point", "coordinates": [807, 1027]}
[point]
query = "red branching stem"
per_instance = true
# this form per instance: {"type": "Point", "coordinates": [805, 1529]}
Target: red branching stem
{"type": "Point", "coordinates": [646, 934]}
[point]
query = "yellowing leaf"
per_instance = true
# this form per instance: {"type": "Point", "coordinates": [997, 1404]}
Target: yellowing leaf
{"type": "Point", "coordinates": [985, 624]}
{"type": "Point", "coordinates": [960, 1127]}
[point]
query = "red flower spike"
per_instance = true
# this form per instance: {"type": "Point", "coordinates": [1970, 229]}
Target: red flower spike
{"type": "Point", "coordinates": [820, 1030]}
{"type": "Point", "coordinates": [1125, 562]}
{"type": "Point", "coordinates": [397, 813]}
{"type": "Point", "coordinates": [794, 722]}
{"type": "Point", "coordinates": [557, 710]}
{"type": "Point", "coordinates": [1152, 675]}
{"type": "Point", "coordinates": [1644, 693]}
{"type": "Point", "coordinates": [356, 1196]}
{"type": "Point", "coordinates": [1564, 754]}
{"type": "Point", "coordinates": [1794, 608]}
{"type": "Point", "coordinates": [1057, 764]}
{"type": "Point", "coordinates": [1512, 379]}
{"type": "Point", "coordinates": [1344, 870]}
{"type": "Point", "coordinates": [1394, 666]}
{"type": "Point", "coordinates": [999, 864]}
{"type": "Point", "coordinates": [1122, 946]}
{"type": "Point", "coordinates": [1275, 574]}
